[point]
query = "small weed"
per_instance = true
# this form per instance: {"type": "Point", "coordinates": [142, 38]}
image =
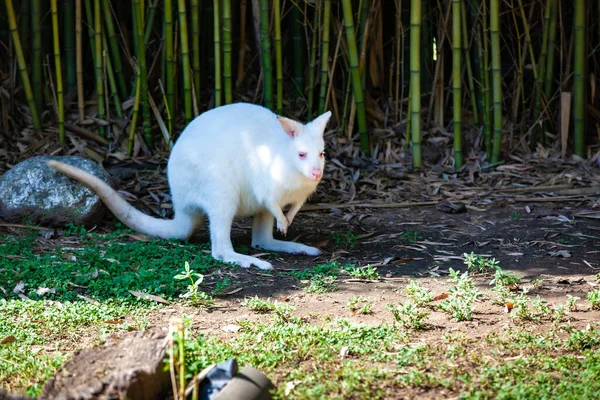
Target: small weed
{"type": "Point", "coordinates": [408, 315]}
{"type": "Point", "coordinates": [259, 305]}
{"type": "Point", "coordinates": [321, 284]}
{"type": "Point", "coordinates": [367, 273]}
{"type": "Point", "coordinates": [347, 239]}
{"type": "Point", "coordinates": [411, 236]}
{"type": "Point", "coordinates": [504, 278]}
{"type": "Point", "coordinates": [361, 304]}
{"type": "Point", "coordinates": [419, 294]}
{"type": "Point", "coordinates": [584, 339]}
{"type": "Point", "coordinates": [594, 299]}
{"type": "Point", "coordinates": [221, 286]}
{"type": "Point", "coordinates": [477, 263]}
{"type": "Point", "coordinates": [534, 310]}
{"type": "Point", "coordinates": [193, 294]}
{"type": "Point", "coordinates": [572, 302]}
{"type": "Point", "coordinates": [462, 295]}
{"type": "Point", "coordinates": [515, 216]}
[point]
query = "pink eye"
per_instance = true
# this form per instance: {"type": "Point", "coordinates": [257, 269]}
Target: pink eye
{"type": "Point", "coordinates": [321, 154]}
{"type": "Point", "coordinates": [302, 155]}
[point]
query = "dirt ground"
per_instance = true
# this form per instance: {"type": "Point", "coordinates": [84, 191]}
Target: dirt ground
{"type": "Point", "coordinates": [547, 244]}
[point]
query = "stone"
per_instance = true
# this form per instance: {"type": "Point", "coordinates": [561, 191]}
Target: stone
{"type": "Point", "coordinates": [31, 192]}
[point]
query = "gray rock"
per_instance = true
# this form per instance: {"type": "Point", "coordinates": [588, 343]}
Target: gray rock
{"type": "Point", "coordinates": [32, 192]}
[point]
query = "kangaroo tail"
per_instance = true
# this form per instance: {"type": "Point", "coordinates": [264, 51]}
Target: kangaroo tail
{"type": "Point", "coordinates": [179, 228]}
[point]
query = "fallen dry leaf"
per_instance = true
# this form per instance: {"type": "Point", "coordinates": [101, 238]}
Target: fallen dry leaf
{"type": "Point", "coordinates": [147, 296]}
{"type": "Point", "coordinates": [8, 339]}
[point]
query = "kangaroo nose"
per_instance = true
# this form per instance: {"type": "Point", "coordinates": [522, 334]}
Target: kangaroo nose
{"type": "Point", "coordinates": [316, 174]}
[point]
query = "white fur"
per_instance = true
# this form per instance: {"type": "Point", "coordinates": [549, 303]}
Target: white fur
{"type": "Point", "coordinates": [233, 161]}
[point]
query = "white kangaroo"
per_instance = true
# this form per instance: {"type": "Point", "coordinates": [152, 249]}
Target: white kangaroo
{"type": "Point", "coordinates": [237, 160]}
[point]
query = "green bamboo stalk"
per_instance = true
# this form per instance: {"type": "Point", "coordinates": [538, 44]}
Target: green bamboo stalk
{"type": "Point", "coordinates": [362, 36]}
{"type": "Point", "coordinates": [528, 40]}
{"type": "Point", "coordinates": [457, 82]}
{"type": "Point", "coordinates": [79, 56]}
{"type": "Point", "coordinates": [578, 78]}
{"type": "Point", "coordinates": [37, 56]}
{"type": "Point", "coordinates": [112, 82]}
{"type": "Point", "coordinates": [465, 47]}
{"type": "Point", "coordinates": [12, 26]}
{"type": "Point", "coordinates": [487, 100]}
{"type": "Point", "coordinates": [150, 21]}
{"type": "Point", "coordinates": [227, 59]}
{"type": "Point", "coordinates": [195, 26]}
{"type": "Point", "coordinates": [170, 65]}
{"type": "Point", "coordinates": [134, 116]}
{"type": "Point", "coordinates": [356, 80]}
{"type": "Point", "coordinates": [325, 55]}
{"type": "Point", "coordinates": [217, 45]}
{"type": "Point", "coordinates": [58, 68]}
{"type": "Point", "coordinates": [242, 47]}
{"type": "Point", "coordinates": [142, 71]}
{"type": "Point", "coordinates": [550, 59]}
{"type": "Point", "coordinates": [415, 80]}
{"type": "Point", "coordinates": [185, 58]}
{"type": "Point", "coordinates": [541, 76]}
{"type": "Point", "coordinates": [313, 63]}
{"type": "Point", "coordinates": [69, 40]}
{"type": "Point", "coordinates": [278, 55]}
{"type": "Point", "coordinates": [113, 41]}
{"type": "Point", "coordinates": [24, 24]}
{"type": "Point", "coordinates": [266, 54]}
{"type": "Point", "coordinates": [297, 45]}
{"type": "Point", "coordinates": [98, 65]}
{"type": "Point", "coordinates": [496, 77]}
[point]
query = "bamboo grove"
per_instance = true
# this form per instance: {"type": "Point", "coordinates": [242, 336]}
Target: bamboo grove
{"type": "Point", "coordinates": [480, 78]}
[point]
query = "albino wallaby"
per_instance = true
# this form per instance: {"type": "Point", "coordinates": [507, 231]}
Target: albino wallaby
{"type": "Point", "coordinates": [232, 161]}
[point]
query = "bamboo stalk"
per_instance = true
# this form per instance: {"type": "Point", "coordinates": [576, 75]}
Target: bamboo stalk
{"type": "Point", "coordinates": [12, 26]}
{"type": "Point", "coordinates": [487, 100]}
{"type": "Point", "coordinates": [313, 63]}
{"type": "Point", "coordinates": [134, 116]}
{"type": "Point", "coordinates": [266, 54]}
{"type": "Point", "coordinates": [185, 61]}
{"type": "Point", "coordinates": [113, 41]}
{"type": "Point", "coordinates": [58, 68]}
{"type": "Point", "coordinates": [37, 56]}
{"type": "Point", "coordinates": [457, 82]}
{"type": "Point", "coordinates": [278, 55]}
{"type": "Point", "coordinates": [466, 51]}
{"type": "Point", "coordinates": [142, 71]}
{"type": "Point", "coordinates": [242, 47]}
{"type": "Point", "coordinates": [415, 80]}
{"type": "Point", "coordinates": [578, 78]}
{"type": "Point", "coordinates": [496, 77]}
{"type": "Point", "coordinates": [150, 21]}
{"type": "Point", "coordinates": [111, 79]}
{"type": "Point", "coordinates": [541, 76]}
{"type": "Point", "coordinates": [217, 42]}
{"type": "Point", "coordinates": [356, 80]}
{"type": "Point", "coordinates": [79, 58]}
{"type": "Point", "coordinates": [195, 25]}
{"type": "Point", "coordinates": [98, 65]}
{"type": "Point", "coordinates": [69, 40]}
{"type": "Point", "coordinates": [170, 65]}
{"type": "Point", "coordinates": [549, 78]}
{"type": "Point", "coordinates": [325, 55]}
{"type": "Point", "coordinates": [227, 60]}
{"type": "Point", "coordinates": [297, 49]}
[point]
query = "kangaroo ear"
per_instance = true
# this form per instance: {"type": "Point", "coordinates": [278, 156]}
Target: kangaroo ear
{"type": "Point", "coordinates": [321, 121]}
{"type": "Point", "coordinates": [291, 127]}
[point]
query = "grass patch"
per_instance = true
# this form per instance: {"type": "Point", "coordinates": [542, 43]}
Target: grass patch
{"type": "Point", "coordinates": [55, 297]}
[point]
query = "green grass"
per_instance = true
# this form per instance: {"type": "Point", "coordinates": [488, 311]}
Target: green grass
{"type": "Point", "coordinates": [83, 287]}
{"type": "Point", "coordinates": [339, 359]}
